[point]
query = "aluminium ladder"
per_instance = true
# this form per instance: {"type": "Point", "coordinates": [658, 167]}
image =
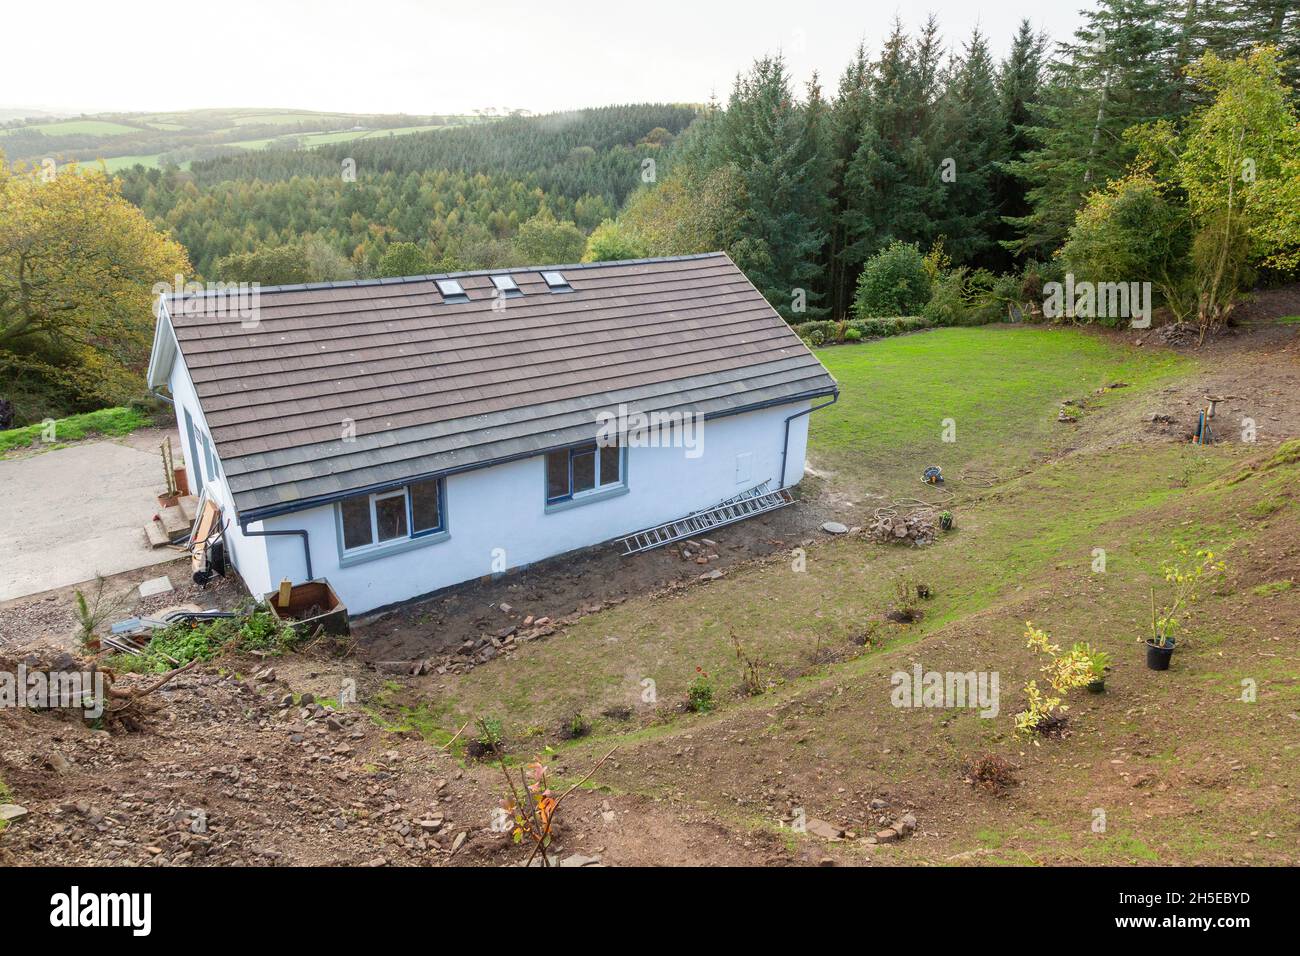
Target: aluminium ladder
{"type": "Point", "coordinates": [755, 501]}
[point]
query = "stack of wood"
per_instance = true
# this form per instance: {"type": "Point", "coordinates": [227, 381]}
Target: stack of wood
{"type": "Point", "coordinates": [918, 528]}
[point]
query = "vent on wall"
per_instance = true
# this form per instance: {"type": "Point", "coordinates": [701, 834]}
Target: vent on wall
{"type": "Point", "coordinates": [556, 282]}
{"type": "Point", "coordinates": [451, 290]}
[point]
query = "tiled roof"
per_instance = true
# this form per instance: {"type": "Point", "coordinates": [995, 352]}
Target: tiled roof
{"type": "Point", "coordinates": [428, 386]}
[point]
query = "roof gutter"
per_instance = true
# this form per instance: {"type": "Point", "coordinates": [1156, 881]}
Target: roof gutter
{"type": "Point", "coordinates": [785, 448]}
{"type": "Point", "coordinates": [306, 541]}
{"type": "Point", "coordinates": [273, 511]}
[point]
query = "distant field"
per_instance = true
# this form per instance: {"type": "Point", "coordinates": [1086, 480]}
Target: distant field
{"type": "Point", "coordinates": [84, 127]}
{"type": "Point", "coordinates": [151, 139]}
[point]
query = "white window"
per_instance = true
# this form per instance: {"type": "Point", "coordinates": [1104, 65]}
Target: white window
{"type": "Point", "coordinates": [371, 521]}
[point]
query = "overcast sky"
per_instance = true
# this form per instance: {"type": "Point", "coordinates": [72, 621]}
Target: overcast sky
{"type": "Point", "coordinates": [376, 56]}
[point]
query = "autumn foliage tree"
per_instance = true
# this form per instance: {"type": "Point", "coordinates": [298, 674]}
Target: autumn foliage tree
{"type": "Point", "coordinates": [78, 263]}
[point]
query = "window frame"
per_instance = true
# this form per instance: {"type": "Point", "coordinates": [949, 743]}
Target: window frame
{"type": "Point", "coordinates": [598, 489]}
{"type": "Point", "coordinates": [375, 547]}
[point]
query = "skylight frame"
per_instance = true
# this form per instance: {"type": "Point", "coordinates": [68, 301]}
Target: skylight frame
{"type": "Point", "coordinates": [506, 286]}
{"type": "Point", "coordinates": [556, 281]}
{"type": "Point", "coordinates": [451, 290]}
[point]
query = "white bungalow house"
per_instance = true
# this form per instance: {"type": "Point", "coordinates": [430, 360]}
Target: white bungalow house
{"type": "Point", "coordinates": [399, 436]}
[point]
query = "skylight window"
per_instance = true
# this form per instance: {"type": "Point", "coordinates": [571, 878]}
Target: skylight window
{"type": "Point", "coordinates": [451, 290]}
{"type": "Point", "coordinates": [556, 282]}
{"type": "Point", "coordinates": [506, 285]}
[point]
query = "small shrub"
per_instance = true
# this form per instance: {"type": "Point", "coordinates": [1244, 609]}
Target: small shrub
{"type": "Point", "coordinates": [991, 772]}
{"type": "Point", "coordinates": [753, 678]}
{"type": "Point", "coordinates": [575, 727]}
{"type": "Point", "coordinates": [895, 281]}
{"type": "Point", "coordinates": [488, 741]}
{"type": "Point", "coordinates": [852, 335]}
{"type": "Point", "coordinates": [699, 693]}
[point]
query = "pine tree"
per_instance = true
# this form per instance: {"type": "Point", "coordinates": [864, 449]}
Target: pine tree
{"type": "Point", "coordinates": [973, 142]}
{"type": "Point", "coordinates": [848, 117]}
{"type": "Point", "coordinates": [1117, 72]}
{"type": "Point", "coordinates": [776, 145]}
{"type": "Point", "coordinates": [1020, 83]}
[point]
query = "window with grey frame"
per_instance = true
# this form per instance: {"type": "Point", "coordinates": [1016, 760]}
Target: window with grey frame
{"type": "Point", "coordinates": [388, 517]}
{"type": "Point", "coordinates": [582, 470]}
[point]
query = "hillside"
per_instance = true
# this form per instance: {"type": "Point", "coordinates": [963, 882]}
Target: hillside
{"type": "Point", "coordinates": [123, 140]}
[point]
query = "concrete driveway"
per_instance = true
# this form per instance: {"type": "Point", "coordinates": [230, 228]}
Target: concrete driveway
{"type": "Point", "coordinates": [71, 513]}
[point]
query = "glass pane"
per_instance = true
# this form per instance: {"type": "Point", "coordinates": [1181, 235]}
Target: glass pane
{"type": "Point", "coordinates": [584, 471]}
{"type": "Point", "coordinates": [610, 458]}
{"type": "Point", "coordinates": [356, 523]}
{"type": "Point", "coordinates": [557, 475]}
{"type": "Point", "coordinates": [425, 513]}
{"type": "Point", "coordinates": [390, 516]}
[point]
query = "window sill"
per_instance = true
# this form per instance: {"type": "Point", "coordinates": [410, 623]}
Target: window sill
{"type": "Point", "coordinates": [351, 558]}
{"type": "Point", "coordinates": [605, 495]}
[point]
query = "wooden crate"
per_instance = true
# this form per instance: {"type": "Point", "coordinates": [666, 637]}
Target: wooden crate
{"type": "Point", "coordinates": [311, 605]}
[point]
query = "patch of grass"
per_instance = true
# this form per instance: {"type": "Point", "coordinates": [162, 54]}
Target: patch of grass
{"type": "Point", "coordinates": [105, 421]}
{"type": "Point", "coordinates": [1272, 587]}
{"type": "Point", "coordinates": [1289, 320]}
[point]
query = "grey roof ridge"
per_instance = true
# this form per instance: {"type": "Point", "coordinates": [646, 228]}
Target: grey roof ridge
{"type": "Point", "coordinates": [399, 280]}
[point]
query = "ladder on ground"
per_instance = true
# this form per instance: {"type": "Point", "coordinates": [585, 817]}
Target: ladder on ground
{"type": "Point", "coordinates": [755, 501]}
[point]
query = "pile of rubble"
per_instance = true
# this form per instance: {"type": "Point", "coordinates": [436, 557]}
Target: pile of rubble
{"type": "Point", "coordinates": [884, 830]}
{"type": "Point", "coordinates": [919, 527]}
{"type": "Point", "coordinates": [1177, 334]}
{"type": "Point", "coordinates": [701, 552]}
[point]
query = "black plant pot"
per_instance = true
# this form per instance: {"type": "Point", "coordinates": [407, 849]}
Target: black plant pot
{"type": "Point", "coordinates": [1158, 657]}
{"type": "Point", "coordinates": [1098, 686]}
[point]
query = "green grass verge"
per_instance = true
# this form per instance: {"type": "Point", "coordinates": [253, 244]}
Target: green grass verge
{"type": "Point", "coordinates": [105, 421]}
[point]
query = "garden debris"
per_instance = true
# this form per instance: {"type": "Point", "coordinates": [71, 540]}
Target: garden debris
{"type": "Point", "coordinates": [919, 527]}
{"type": "Point", "coordinates": [1177, 333]}
{"type": "Point", "coordinates": [11, 811]}
{"type": "Point", "coordinates": [1064, 416]}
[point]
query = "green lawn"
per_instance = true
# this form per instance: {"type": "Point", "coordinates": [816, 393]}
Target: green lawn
{"type": "Point", "coordinates": [998, 385]}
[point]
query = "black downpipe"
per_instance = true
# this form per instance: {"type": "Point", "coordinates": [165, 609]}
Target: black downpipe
{"type": "Point", "coordinates": [785, 448]}
{"type": "Point", "coordinates": [306, 542]}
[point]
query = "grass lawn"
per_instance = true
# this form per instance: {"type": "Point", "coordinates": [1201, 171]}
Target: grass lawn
{"type": "Point", "coordinates": [996, 383]}
{"type": "Point", "coordinates": [105, 421]}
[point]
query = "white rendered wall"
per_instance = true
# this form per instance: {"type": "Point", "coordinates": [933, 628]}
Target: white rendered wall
{"type": "Point", "coordinates": [247, 554]}
{"type": "Point", "coordinates": [503, 507]}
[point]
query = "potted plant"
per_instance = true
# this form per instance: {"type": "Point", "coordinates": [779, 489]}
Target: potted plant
{"type": "Point", "coordinates": [1098, 665]}
{"type": "Point", "coordinates": [1185, 578]}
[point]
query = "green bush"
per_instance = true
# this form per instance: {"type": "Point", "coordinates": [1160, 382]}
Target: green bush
{"type": "Point", "coordinates": [852, 335]}
{"type": "Point", "coordinates": [895, 281]}
{"type": "Point", "coordinates": [181, 643]}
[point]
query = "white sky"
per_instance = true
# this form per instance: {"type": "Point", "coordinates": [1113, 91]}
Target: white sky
{"type": "Point", "coordinates": [421, 56]}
